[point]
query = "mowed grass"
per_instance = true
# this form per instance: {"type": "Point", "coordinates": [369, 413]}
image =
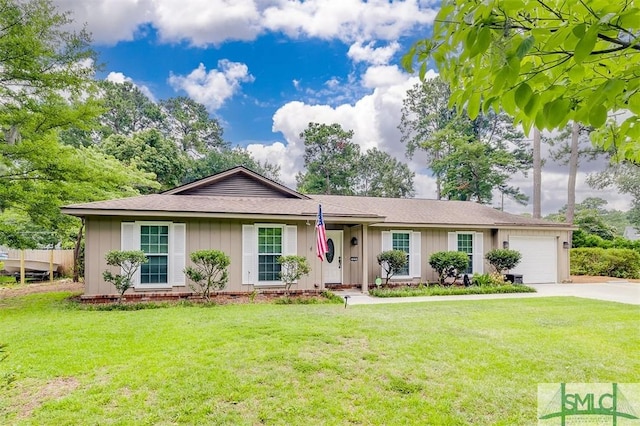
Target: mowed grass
{"type": "Point", "coordinates": [445, 363]}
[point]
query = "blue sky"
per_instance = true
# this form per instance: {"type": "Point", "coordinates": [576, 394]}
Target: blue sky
{"type": "Point", "coordinates": [266, 68]}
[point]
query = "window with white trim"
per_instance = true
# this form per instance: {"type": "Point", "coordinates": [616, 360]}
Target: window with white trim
{"type": "Point", "coordinates": [164, 244]}
{"type": "Point", "coordinates": [471, 243]}
{"type": "Point", "coordinates": [269, 250]}
{"type": "Point", "coordinates": [465, 245]}
{"type": "Point", "coordinates": [154, 242]}
{"type": "Point", "coordinates": [401, 241]}
{"type": "Point", "coordinates": [408, 242]}
{"type": "Point", "coordinates": [262, 244]}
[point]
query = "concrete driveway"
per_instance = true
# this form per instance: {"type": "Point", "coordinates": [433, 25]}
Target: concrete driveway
{"type": "Point", "coordinates": [621, 292]}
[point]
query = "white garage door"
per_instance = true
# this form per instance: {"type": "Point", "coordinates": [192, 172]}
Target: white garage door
{"type": "Point", "coordinates": [539, 262]}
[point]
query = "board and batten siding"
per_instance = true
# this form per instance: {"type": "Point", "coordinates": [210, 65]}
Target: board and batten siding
{"type": "Point", "coordinates": [104, 234]}
{"type": "Point", "coordinates": [238, 186]}
{"type": "Point", "coordinates": [431, 241]}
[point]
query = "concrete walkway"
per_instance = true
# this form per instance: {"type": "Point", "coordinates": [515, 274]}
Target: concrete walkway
{"type": "Point", "coordinates": [618, 291]}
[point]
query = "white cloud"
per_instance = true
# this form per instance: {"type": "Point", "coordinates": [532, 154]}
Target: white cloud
{"type": "Point", "coordinates": [383, 76]}
{"type": "Point", "coordinates": [212, 88]}
{"type": "Point", "coordinates": [120, 78]}
{"type": "Point", "coordinates": [373, 118]}
{"type": "Point", "coordinates": [210, 22]}
{"type": "Point", "coordinates": [371, 54]}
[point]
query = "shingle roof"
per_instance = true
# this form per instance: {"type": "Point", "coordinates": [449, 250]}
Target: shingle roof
{"type": "Point", "coordinates": [379, 210]}
{"type": "Point", "coordinates": [408, 211]}
{"type": "Point", "coordinates": [431, 212]}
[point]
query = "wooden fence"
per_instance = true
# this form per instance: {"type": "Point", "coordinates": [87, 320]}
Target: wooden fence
{"type": "Point", "coordinates": [64, 258]}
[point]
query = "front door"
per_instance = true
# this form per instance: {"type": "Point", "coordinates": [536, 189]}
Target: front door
{"type": "Point", "coordinates": [332, 267]}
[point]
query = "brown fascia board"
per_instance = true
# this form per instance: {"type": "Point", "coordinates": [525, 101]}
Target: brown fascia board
{"type": "Point", "coordinates": [244, 216]}
{"type": "Point", "coordinates": [239, 169]}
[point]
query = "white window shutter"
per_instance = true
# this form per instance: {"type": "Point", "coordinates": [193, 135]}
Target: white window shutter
{"type": "Point", "coordinates": [130, 240]}
{"type": "Point", "coordinates": [290, 240]}
{"type": "Point", "coordinates": [453, 242]}
{"type": "Point", "coordinates": [387, 242]}
{"type": "Point", "coordinates": [127, 237]}
{"type": "Point", "coordinates": [415, 259]}
{"type": "Point", "coordinates": [177, 253]}
{"type": "Point", "coordinates": [478, 252]}
{"type": "Point", "coordinates": [249, 257]}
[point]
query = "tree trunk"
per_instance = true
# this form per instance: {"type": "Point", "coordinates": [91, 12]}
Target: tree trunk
{"type": "Point", "coordinates": [76, 254]}
{"type": "Point", "coordinates": [537, 175]}
{"type": "Point", "coordinates": [573, 170]}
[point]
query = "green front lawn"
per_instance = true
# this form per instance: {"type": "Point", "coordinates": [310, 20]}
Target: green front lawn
{"type": "Point", "coordinates": [454, 362]}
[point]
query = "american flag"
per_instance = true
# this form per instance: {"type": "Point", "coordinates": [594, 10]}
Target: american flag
{"type": "Point", "coordinates": [321, 235]}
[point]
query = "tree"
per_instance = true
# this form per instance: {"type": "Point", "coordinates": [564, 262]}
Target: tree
{"type": "Point", "coordinates": [469, 158]}
{"type": "Point", "coordinates": [625, 177]}
{"type": "Point", "coordinates": [189, 123]}
{"type": "Point", "coordinates": [381, 175]}
{"type": "Point", "coordinates": [46, 74]}
{"type": "Point", "coordinates": [210, 271]}
{"type": "Point", "coordinates": [151, 152]}
{"type": "Point", "coordinates": [392, 261]}
{"type": "Point", "coordinates": [449, 264]}
{"type": "Point", "coordinates": [216, 161]}
{"type": "Point", "coordinates": [329, 159]}
{"type": "Point", "coordinates": [128, 262]}
{"type": "Point", "coordinates": [503, 259]}
{"type": "Point", "coordinates": [292, 268]}
{"type": "Point", "coordinates": [537, 175]}
{"type": "Point", "coordinates": [127, 110]}
{"type": "Point", "coordinates": [544, 63]}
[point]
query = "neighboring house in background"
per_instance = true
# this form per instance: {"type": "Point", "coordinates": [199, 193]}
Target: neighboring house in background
{"type": "Point", "coordinates": [255, 220]}
{"type": "Point", "coordinates": [631, 233]}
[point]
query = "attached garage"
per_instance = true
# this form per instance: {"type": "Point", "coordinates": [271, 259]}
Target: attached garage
{"type": "Point", "coordinates": [539, 262]}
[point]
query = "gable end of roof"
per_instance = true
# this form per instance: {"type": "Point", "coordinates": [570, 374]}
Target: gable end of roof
{"type": "Point", "coordinates": [237, 182]}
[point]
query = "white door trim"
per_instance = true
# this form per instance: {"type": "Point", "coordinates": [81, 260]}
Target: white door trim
{"type": "Point", "coordinates": [333, 271]}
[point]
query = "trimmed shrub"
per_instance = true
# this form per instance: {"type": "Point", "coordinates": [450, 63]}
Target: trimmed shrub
{"type": "Point", "coordinates": [292, 269]}
{"type": "Point", "coordinates": [129, 262]}
{"type": "Point", "coordinates": [209, 273]}
{"type": "Point", "coordinates": [503, 259]}
{"type": "Point", "coordinates": [619, 263]}
{"type": "Point", "coordinates": [391, 262]}
{"type": "Point", "coordinates": [448, 263]}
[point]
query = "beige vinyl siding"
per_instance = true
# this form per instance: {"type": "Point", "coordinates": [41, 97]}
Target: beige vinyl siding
{"type": "Point", "coordinates": [431, 241]}
{"type": "Point", "coordinates": [103, 234]}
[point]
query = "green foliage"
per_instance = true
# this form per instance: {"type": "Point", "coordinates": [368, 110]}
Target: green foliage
{"type": "Point", "coordinates": [335, 165]}
{"type": "Point", "coordinates": [292, 268]}
{"type": "Point", "coordinates": [149, 151]}
{"type": "Point", "coordinates": [216, 161]}
{"type": "Point", "coordinates": [448, 263]}
{"type": "Point", "coordinates": [469, 158]}
{"type": "Point", "coordinates": [381, 175]}
{"type": "Point", "coordinates": [189, 124]}
{"type": "Point", "coordinates": [439, 290]}
{"type": "Point", "coordinates": [391, 262]}
{"type": "Point", "coordinates": [210, 271]}
{"type": "Point", "coordinates": [503, 259]}
{"type": "Point", "coordinates": [128, 262]}
{"type": "Point", "coordinates": [624, 176]}
{"type": "Point", "coordinates": [46, 78]}
{"type": "Point", "coordinates": [488, 280]}
{"type": "Point", "coordinates": [543, 63]}
{"type": "Point", "coordinates": [620, 263]}
{"type": "Point", "coordinates": [127, 110]}
{"type": "Point", "coordinates": [329, 156]}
